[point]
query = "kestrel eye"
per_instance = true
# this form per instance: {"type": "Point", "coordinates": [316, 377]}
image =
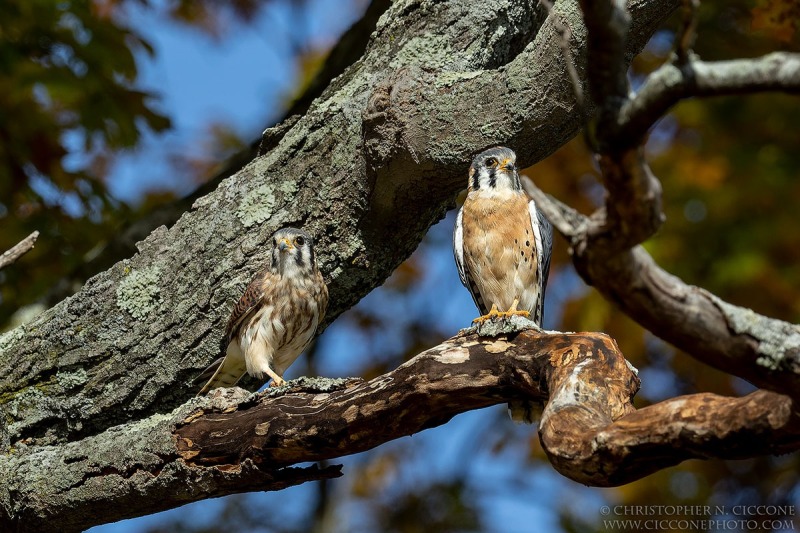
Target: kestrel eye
{"type": "Point", "coordinates": [491, 162]}
{"type": "Point", "coordinates": [300, 241]}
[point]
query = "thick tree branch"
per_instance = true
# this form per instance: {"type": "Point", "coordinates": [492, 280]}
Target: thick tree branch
{"type": "Point", "coordinates": [232, 441]}
{"type": "Point", "coordinates": [382, 152]}
{"type": "Point", "coordinates": [24, 246]}
{"type": "Point", "coordinates": [347, 51]}
{"type": "Point", "coordinates": [127, 471]}
{"type": "Point", "coordinates": [699, 426]}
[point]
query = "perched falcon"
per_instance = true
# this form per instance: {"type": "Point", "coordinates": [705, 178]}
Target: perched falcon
{"type": "Point", "coordinates": [276, 317]}
{"type": "Point", "coordinates": [502, 245]}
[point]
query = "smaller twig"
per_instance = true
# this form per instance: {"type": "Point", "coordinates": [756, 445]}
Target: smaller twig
{"type": "Point", "coordinates": [564, 218]}
{"type": "Point", "coordinates": [563, 42]}
{"type": "Point", "coordinates": [20, 249]}
{"type": "Point", "coordinates": [688, 33]}
{"type": "Point", "coordinates": [607, 25]}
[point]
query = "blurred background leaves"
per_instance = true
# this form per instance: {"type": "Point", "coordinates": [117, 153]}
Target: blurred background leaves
{"type": "Point", "coordinates": [74, 106]}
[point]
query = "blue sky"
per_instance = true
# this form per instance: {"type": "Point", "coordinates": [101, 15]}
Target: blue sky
{"type": "Point", "coordinates": [241, 79]}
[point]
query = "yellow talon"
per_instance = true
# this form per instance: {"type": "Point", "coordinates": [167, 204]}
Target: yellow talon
{"type": "Point", "coordinates": [491, 314]}
{"type": "Point", "coordinates": [503, 314]}
{"type": "Point", "coordinates": [514, 311]}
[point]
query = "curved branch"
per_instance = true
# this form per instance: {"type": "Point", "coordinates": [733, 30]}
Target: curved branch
{"type": "Point", "coordinates": [699, 426]}
{"type": "Point", "coordinates": [778, 71]}
{"type": "Point", "coordinates": [232, 441]}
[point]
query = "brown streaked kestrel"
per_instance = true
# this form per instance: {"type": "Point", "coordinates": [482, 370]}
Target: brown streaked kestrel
{"type": "Point", "coordinates": [276, 317]}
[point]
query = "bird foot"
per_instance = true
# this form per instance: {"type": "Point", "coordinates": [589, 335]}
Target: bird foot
{"type": "Point", "coordinates": [277, 381]}
{"type": "Point", "coordinates": [493, 313]}
{"type": "Point", "coordinates": [515, 312]}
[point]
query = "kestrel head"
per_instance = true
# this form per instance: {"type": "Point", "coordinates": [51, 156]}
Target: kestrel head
{"type": "Point", "coordinates": [293, 253]}
{"type": "Point", "coordinates": [494, 169]}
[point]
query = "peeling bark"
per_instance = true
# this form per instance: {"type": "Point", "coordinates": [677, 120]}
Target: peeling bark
{"type": "Point", "coordinates": [233, 441]}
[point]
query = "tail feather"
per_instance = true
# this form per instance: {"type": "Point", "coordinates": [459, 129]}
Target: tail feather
{"type": "Point", "coordinates": [224, 372]}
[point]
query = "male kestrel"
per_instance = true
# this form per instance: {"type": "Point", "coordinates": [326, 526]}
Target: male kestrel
{"type": "Point", "coordinates": [276, 317]}
{"type": "Point", "coordinates": [502, 244]}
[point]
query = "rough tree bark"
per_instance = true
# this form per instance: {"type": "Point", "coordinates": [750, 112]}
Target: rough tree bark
{"type": "Point", "coordinates": [351, 171]}
{"type": "Point", "coordinates": [350, 48]}
{"type": "Point", "coordinates": [94, 392]}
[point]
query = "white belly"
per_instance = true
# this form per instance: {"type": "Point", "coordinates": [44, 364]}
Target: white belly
{"type": "Point", "coordinates": [268, 343]}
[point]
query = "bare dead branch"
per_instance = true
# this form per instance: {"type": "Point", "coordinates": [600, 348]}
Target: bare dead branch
{"type": "Point", "coordinates": [11, 255]}
{"type": "Point", "coordinates": [778, 71]}
{"type": "Point", "coordinates": [688, 31]}
{"type": "Point", "coordinates": [564, 42]}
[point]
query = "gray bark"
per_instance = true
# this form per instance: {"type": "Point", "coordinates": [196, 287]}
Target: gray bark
{"type": "Point", "coordinates": [377, 159]}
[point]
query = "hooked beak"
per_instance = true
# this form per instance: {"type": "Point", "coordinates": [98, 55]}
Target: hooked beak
{"type": "Point", "coordinates": [285, 245]}
{"type": "Point", "coordinates": [508, 165]}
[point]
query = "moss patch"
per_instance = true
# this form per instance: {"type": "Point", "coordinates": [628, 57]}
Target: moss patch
{"type": "Point", "coordinates": [257, 206]}
{"type": "Point", "coordinates": [139, 293]}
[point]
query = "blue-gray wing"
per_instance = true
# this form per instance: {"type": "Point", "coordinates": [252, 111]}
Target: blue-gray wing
{"type": "Point", "coordinates": [458, 247]}
{"type": "Point", "coordinates": [543, 233]}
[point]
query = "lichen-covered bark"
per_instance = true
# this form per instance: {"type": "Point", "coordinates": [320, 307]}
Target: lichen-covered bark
{"type": "Point", "coordinates": [366, 175]}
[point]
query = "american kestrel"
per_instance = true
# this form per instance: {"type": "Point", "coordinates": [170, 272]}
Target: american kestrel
{"type": "Point", "coordinates": [276, 317]}
{"type": "Point", "coordinates": [502, 243]}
